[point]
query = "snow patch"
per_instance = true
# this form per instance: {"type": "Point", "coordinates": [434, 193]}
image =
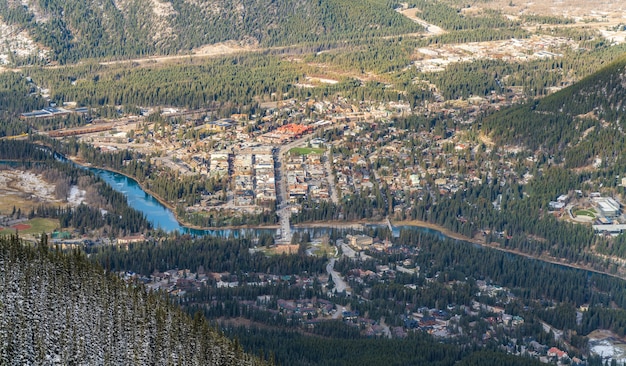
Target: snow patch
{"type": "Point", "coordinates": [26, 182]}
{"type": "Point", "coordinates": [76, 196]}
{"type": "Point", "coordinates": [608, 349]}
{"type": "Point", "coordinates": [17, 43]}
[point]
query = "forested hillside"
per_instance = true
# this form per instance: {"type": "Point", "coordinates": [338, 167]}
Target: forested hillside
{"type": "Point", "coordinates": [596, 103]}
{"type": "Point", "coordinates": [61, 309]}
{"type": "Point", "coordinates": [93, 28]}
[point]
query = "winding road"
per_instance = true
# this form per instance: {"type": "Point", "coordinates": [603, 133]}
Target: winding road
{"type": "Point", "coordinates": [340, 284]}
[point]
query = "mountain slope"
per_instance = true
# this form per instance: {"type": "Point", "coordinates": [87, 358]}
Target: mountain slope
{"type": "Point", "coordinates": [557, 123]}
{"type": "Point", "coordinates": [61, 309]}
{"type": "Point", "coordinates": [97, 28]}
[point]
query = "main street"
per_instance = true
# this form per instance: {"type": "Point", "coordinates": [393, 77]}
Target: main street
{"type": "Point", "coordinates": [332, 189]}
{"type": "Point", "coordinates": [283, 209]}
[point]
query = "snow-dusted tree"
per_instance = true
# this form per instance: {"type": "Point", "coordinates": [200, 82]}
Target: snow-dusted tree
{"type": "Point", "coordinates": [60, 309]}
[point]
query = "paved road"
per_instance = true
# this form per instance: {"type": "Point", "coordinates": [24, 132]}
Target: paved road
{"type": "Point", "coordinates": [346, 250]}
{"type": "Point", "coordinates": [331, 178]}
{"type": "Point", "coordinates": [386, 329]}
{"type": "Point", "coordinates": [431, 29]}
{"type": "Point", "coordinates": [340, 284]}
{"type": "Point", "coordinates": [405, 270]}
{"type": "Point", "coordinates": [282, 194]}
{"type": "Point", "coordinates": [558, 334]}
{"type": "Point", "coordinates": [282, 200]}
{"type": "Point", "coordinates": [279, 156]}
{"type": "Point", "coordinates": [285, 226]}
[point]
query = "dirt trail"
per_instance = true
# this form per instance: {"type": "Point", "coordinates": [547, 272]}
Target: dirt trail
{"type": "Point", "coordinates": [211, 50]}
{"type": "Point", "coordinates": [431, 29]}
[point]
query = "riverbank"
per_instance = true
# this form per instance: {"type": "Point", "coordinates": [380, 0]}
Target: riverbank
{"type": "Point", "coordinates": [356, 225]}
{"type": "Point", "coordinates": [456, 236]}
{"type": "Point", "coordinates": [444, 231]}
{"type": "Point", "coordinates": [84, 164]}
{"type": "Point", "coordinates": [168, 205]}
{"type": "Point", "coordinates": [496, 246]}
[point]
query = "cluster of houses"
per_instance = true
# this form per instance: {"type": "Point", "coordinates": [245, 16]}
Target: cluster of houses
{"type": "Point", "coordinates": [406, 161]}
{"type": "Point", "coordinates": [175, 282]}
{"type": "Point", "coordinates": [432, 321]}
{"type": "Point", "coordinates": [305, 309]}
{"type": "Point", "coordinates": [380, 152]}
{"type": "Point", "coordinates": [178, 282]}
{"type": "Point", "coordinates": [444, 322]}
{"type": "Point", "coordinates": [219, 164]}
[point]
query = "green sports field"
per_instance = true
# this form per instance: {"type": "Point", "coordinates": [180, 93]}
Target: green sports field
{"type": "Point", "coordinates": [305, 151]}
{"type": "Point", "coordinates": [33, 227]}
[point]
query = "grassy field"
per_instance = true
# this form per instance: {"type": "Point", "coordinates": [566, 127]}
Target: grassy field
{"type": "Point", "coordinates": [14, 200]}
{"type": "Point", "coordinates": [283, 249]}
{"type": "Point", "coordinates": [589, 213]}
{"type": "Point", "coordinates": [37, 226]}
{"type": "Point", "coordinates": [305, 151]}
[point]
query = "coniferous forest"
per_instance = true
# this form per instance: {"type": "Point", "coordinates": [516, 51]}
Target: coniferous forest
{"type": "Point", "coordinates": [62, 309]}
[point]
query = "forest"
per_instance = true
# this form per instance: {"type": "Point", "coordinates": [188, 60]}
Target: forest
{"type": "Point", "coordinates": [62, 308]}
{"type": "Point", "coordinates": [554, 120]}
{"type": "Point", "coordinates": [130, 28]}
{"type": "Point", "coordinates": [291, 347]}
{"type": "Point", "coordinates": [212, 253]}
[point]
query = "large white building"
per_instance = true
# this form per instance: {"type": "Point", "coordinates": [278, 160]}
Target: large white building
{"type": "Point", "coordinates": [608, 207]}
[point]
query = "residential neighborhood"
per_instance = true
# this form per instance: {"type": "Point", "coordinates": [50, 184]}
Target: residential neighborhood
{"type": "Point", "coordinates": [485, 318]}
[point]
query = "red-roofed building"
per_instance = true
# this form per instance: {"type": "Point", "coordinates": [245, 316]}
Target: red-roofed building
{"type": "Point", "coordinates": [555, 352]}
{"type": "Point", "coordinates": [294, 129]}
